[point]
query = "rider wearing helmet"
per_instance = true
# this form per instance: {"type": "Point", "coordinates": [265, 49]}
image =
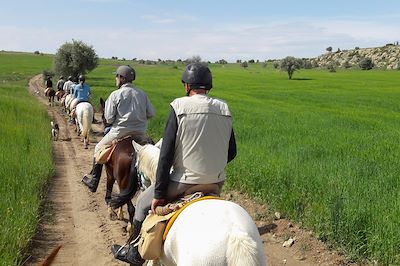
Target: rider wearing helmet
{"type": "Point", "coordinates": [60, 83]}
{"type": "Point", "coordinates": [68, 85]}
{"type": "Point", "coordinates": [198, 142]}
{"type": "Point", "coordinates": [126, 111]}
{"type": "Point", "coordinates": [81, 91]}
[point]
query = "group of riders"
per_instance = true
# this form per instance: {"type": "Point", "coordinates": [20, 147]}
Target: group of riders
{"type": "Point", "coordinates": [198, 140]}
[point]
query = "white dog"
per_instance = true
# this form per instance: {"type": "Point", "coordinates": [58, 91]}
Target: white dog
{"type": "Point", "coordinates": [54, 130]}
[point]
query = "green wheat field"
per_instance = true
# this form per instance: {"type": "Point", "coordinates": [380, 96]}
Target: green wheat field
{"type": "Point", "coordinates": [323, 149]}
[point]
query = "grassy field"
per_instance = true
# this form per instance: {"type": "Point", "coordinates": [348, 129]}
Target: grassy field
{"type": "Point", "coordinates": [321, 148]}
{"type": "Point", "coordinates": [26, 155]}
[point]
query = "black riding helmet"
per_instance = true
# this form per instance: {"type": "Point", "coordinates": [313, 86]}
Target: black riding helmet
{"type": "Point", "coordinates": [81, 78]}
{"type": "Point", "coordinates": [198, 76]}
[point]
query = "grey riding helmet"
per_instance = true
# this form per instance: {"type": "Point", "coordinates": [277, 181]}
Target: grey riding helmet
{"type": "Point", "coordinates": [198, 76]}
{"type": "Point", "coordinates": [127, 72]}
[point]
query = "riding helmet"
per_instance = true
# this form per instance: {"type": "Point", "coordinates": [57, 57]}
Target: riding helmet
{"type": "Point", "coordinates": [81, 78]}
{"type": "Point", "coordinates": [127, 72]}
{"type": "Point", "coordinates": [198, 76]}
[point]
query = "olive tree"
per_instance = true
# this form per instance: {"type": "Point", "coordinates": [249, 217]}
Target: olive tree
{"type": "Point", "coordinates": [74, 58]}
{"type": "Point", "coordinates": [291, 64]}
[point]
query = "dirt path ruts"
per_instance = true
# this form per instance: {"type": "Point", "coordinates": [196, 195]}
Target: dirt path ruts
{"type": "Point", "coordinates": [78, 219]}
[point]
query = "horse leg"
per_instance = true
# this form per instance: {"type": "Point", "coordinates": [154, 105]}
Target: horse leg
{"type": "Point", "coordinates": [120, 214]}
{"type": "Point", "coordinates": [110, 183]}
{"type": "Point", "coordinates": [131, 211]}
{"type": "Point", "coordinates": [85, 142]}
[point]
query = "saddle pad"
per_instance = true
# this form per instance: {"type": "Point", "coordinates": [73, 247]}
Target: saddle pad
{"type": "Point", "coordinates": [175, 214]}
{"type": "Point", "coordinates": [104, 154]}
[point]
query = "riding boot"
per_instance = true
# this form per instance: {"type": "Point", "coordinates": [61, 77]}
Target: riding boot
{"type": "Point", "coordinates": [129, 253]}
{"type": "Point", "coordinates": [92, 179]}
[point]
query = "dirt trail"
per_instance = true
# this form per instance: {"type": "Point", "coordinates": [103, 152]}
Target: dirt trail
{"type": "Point", "coordinates": [78, 219]}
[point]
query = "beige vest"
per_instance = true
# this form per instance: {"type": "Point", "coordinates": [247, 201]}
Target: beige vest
{"type": "Point", "coordinates": [202, 141]}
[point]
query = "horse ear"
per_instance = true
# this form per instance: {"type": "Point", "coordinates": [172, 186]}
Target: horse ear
{"type": "Point", "coordinates": [136, 146]}
{"type": "Point", "coordinates": [102, 102]}
{"type": "Point", "coordinates": [159, 143]}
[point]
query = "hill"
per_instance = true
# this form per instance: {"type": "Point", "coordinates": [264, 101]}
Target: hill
{"type": "Point", "coordinates": [386, 57]}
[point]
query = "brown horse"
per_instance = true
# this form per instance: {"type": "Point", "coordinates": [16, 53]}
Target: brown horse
{"type": "Point", "coordinates": [121, 168]}
{"type": "Point", "coordinates": [50, 94]}
{"type": "Point", "coordinates": [60, 94]}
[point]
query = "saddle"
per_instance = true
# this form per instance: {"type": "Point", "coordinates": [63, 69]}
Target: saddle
{"type": "Point", "coordinates": [47, 91]}
{"type": "Point", "coordinates": [105, 153]}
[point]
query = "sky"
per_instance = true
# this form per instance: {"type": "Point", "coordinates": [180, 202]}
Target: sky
{"type": "Point", "coordinates": [211, 29]}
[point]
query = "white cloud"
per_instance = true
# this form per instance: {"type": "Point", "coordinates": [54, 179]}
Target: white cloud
{"type": "Point", "coordinates": [156, 19]}
{"type": "Point", "coordinates": [301, 38]}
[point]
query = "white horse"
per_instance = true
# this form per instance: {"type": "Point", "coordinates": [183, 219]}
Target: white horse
{"type": "Point", "coordinates": [84, 118]}
{"type": "Point", "coordinates": [208, 232]}
{"type": "Point", "coordinates": [67, 102]}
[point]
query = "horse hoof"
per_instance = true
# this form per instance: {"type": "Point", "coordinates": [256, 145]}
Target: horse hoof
{"type": "Point", "coordinates": [129, 228]}
{"type": "Point", "coordinates": [120, 214]}
{"type": "Point", "coordinates": [112, 214]}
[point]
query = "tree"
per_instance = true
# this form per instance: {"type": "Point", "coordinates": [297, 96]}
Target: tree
{"type": "Point", "coordinates": [75, 58]}
{"type": "Point", "coordinates": [290, 64]}
{"type": "Point", "coordinates": [244, 64]}
{"type": "Point", "coordinates": [329, 49]}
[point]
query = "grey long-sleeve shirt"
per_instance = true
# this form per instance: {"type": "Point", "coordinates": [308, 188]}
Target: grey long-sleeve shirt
{"type": "Point", "coordinates": [128, 109]}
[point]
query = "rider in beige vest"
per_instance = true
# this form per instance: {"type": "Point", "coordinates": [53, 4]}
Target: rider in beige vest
{"type": "Point", "coordinates": [198, 143]}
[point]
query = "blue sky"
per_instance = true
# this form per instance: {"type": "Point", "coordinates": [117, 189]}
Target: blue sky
{"type": "Point", "coordinates": [212, 29]}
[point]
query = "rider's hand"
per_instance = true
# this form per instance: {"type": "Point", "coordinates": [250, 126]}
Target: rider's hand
{"type": "Point", "coordinates": [157, 202]}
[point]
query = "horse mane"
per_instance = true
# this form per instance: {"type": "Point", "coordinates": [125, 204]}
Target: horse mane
{"type": "Point", "coordinates": [147, 161]}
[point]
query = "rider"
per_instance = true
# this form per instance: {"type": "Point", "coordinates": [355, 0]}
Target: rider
{"type": "Point", "coordinates": [81, 91]}
{"type": "Point", "coordinates": [127, 110]}
{"type": "Point", "coordinates": [49, 85]}
{"type": "Point", "coordinates": [60, 83]}
{"type": "Point", "coordinates": [198, 142]}
{"type": "Point", "coordinates": [68, 84]}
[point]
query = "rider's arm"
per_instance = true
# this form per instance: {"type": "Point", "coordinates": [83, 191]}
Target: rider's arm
{"type": "Point", "coordinates": [150, 112]}
{"type": "Point", "coordinates": [232, 147]}
{"type": "Point", "coordinates": [166, 158]}
{"type": "Point", "coordinates": [76, 91]}
{"type": "Point", "coordinates": [110, 109]}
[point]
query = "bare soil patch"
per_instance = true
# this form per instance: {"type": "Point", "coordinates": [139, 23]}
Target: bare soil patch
{"type": "Point", "coordinates": [78, 220]}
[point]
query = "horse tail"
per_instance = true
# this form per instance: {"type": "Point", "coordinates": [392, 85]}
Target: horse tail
{"type": "Point", "coordinates": [125, 195]}
{"type": "Point", "coordinates": [241, 249]}
{"type": "Point", "coordinates": [87, 118]}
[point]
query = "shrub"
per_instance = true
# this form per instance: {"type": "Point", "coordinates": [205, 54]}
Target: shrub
{"type": "Point", "coordinates": [366, 63]}
{"type": "Point", "coordinates": [36, 52]}
{"type": "Point", "coordinates": [244, 64]}
{"type": "Point", "coordinates": [331, 67]}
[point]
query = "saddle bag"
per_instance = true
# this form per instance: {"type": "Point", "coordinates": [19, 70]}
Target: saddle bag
{"type": "Point", "coordinates": [151, 236]}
